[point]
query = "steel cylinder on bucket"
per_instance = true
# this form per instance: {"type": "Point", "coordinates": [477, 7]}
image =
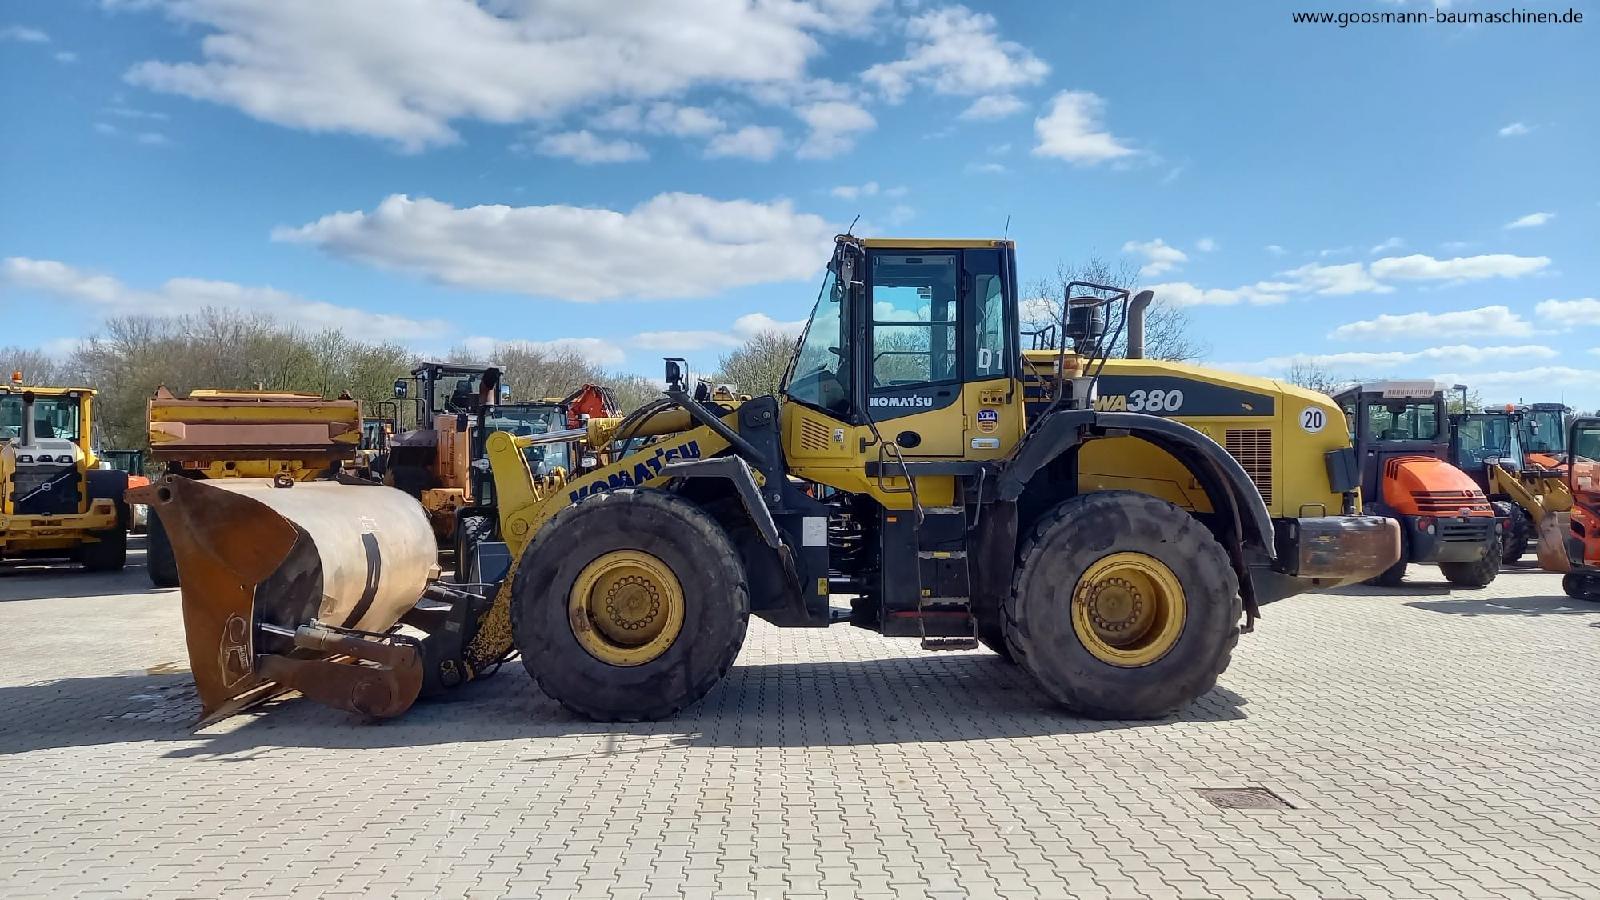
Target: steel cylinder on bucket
{"type": "Point", "coordinates": [280, 577]}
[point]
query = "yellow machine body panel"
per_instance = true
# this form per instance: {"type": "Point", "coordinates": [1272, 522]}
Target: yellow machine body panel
{"type": "Point", "coordinates": [984, 423]}
{"type": "Point", "coordinates": [1279, 433]}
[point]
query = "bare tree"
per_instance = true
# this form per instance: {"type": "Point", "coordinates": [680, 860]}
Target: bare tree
{"type": "Point", "coordinates": [1310, 374]}
{"type": "Point", "coordinates": [36, 366]}
{"type": "Point", "coordinates": [633, 391]}
{"type": "Point", "coordinates": [757, 367]}
{"type": "Point", "coordinates": [1167, 327]}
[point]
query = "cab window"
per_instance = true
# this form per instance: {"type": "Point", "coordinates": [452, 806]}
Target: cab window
{"type": "Point", "coordinates": [819, 376]}
{"type": "Point", "coordinates": [991, 344]}
{"type": "Point", "coordinates": [1403, 421]}
{"type": "Point", "coordinates": [913, 302]}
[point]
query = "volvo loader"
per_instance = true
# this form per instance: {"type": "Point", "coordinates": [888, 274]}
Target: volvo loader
{"type": "Point", "coordinates": [901, 466]}
{"type": "Point", "coordinates": [1402, 449]}
{"type": "Point", "coordinates": [57, 500]}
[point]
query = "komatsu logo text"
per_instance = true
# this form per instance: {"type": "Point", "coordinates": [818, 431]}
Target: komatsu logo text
{"type": "Point", "coordinates": [902, 402]}
{"type": "Point", "coordinates": [645, 467]}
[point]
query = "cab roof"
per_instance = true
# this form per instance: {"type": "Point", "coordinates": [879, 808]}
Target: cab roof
{"type": "Point", "coordinates": [12, 387]}
{"type": "Point", "coordinates": [936, 243]}
{"type": "Point", "coordinates": [1398, 390]}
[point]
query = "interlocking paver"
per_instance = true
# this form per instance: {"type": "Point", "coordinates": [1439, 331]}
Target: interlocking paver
{"type": "Point", "coordinates": [1436, 744]}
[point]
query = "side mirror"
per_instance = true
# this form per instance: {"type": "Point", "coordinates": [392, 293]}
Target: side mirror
{"type": "Point", "coordinates": [401, 389]}
{"type": "Point", "coordinates": [675, 372]}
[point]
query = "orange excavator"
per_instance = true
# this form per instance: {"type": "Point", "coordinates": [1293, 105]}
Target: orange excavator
{"type": "Point", "coordinates": [1402, 449]}
{"type": "Point", "coordinates": [1582, 537]}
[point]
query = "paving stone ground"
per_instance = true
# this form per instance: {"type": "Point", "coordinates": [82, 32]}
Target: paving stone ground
{"type": "Point", "coordinates": [1432, 744]}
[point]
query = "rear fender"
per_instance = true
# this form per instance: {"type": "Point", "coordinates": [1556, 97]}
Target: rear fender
{"type": "Point", "coordinates": [1245, 523]}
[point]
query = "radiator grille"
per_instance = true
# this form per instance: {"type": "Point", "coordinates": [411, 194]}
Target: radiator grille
{"type": "Point", "coordinates": [1450, 503]}
{"type": "Point", "coordinates": [1252, 447]}
{"type": "Point", "coordinates": [45, 490]}
{"type": "Point", "coordinates": [813, 436]}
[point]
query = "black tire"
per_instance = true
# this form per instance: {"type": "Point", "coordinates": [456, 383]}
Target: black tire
{"type": "Point", "coordinates": [108, 554]}
{"type": "Point", "coordinates": [1476, 574]}
{"type": "Point", "coordinates": [1579, 587]}
{"type": "Point", "coordinates": [470, 532]}
{"type": "Point", "coordinates": [1062, 546]}
{"type": "Point", "coordinates": [159, 561]}
{"type": "Point", "coordinates": [1392, 576]}
{"type": "Point", "coordinates": [1519, 530]}
{"type": "Point", "coordinates": [679, 535]}
{"type": "Point", "coordinates": [992, 634]}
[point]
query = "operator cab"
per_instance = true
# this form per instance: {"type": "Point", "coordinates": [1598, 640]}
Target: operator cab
{"type": "Point", "coordinates": [1479, 440]}
{"type": "Point", "coordinates": [914, 340]}
{"type": "Point", "coordinates": [1393, 418]}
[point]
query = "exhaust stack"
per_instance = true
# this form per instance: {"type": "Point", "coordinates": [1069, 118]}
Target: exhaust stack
{"type": "Point", "coordinates": [1136, 308]}
{"type": "Point", "coordinates": [28, 425]}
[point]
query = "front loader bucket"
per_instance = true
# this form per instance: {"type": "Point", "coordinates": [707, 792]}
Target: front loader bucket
{"type": "Point", "coordinates": [294, 585]}
{"type": "Point", "coordinates": [1552, 548]}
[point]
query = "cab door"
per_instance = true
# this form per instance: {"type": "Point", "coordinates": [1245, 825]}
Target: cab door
{"type": "Point", "coordinates": [913, 359]}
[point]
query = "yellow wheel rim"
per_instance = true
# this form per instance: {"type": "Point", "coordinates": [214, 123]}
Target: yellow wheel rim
{"type": "Point", "coordinates": [1128, 609]}
{"type": "Point", "coordinates": [626, 608]}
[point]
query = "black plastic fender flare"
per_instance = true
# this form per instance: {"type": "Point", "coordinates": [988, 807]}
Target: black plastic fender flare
{"type": "Point", "coordinates": [737, 472]}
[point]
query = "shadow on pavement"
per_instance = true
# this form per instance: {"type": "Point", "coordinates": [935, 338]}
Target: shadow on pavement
{"type": "Point", "coordinates": [829, 703]}
{"type": "Point", "coordinates": [27, 579]}
{"type": "Point", "coordinates": [1511, 606]}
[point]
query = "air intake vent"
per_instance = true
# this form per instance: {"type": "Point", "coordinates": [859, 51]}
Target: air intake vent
{"type": "Point", "coordinates": [813, 436]}
{"type": "Point", "coordinates": [1252, 447]}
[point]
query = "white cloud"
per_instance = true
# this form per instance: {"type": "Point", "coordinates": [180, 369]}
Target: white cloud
{"type": "Point", "coordinates": [992, 106]}
{"type": "Point", "coordinates": [1275, 250]}
{"type": "Point", "coordinates": [673, 245]}
{"type": "Point", "coordinates": [833, 127]}
{"type": "Point", "coordinates": [1348, 278]}
{"type": "Point", "coordinates": [757, 142]}
{"type": "Point", "coordinates": [987, 168]}
{"type": "Point", "coordinates": [1393, 243]}
{"type": "Point", "coordinates": [1515, 129]}
{"type": "Point", "coordinates": [179, 296]}
{"type": "Point", "coordinates": [1071, 130]}
{"type": "Point", "coordinates": [1206, 245]}
{"type": "Point", "coordinates": [22, 34]}
{"type": "Point", "coordinates": [585, 147]}
{"type": "Point", "coordinates": [599, 351]}
{"type": "Point", "coordinates": [1159, 257]}
{"type": "Point", "coordinates": [1418, 267]}
{"type": "Point", "coordinates": [1531, 220]}
{"type": "Point", "coordinates": [956, 51]}
{"type": "Point", "coordinates": [853, 191]}
{"type": "Point", "coordinates": [744, 328]}
{"type": "Point", "coordinates": [1368, 361]}
{"type": "Point", "coordinates": [1495, 320]}
{"type": "Point", "coordinates": [1540, 378]}
{"type": "Point", "coordinates": [1570, 313]}
{"type": "Point", "coordinates": [356, 66]}
{"type": "Point", "coordinates": [661, 118]}
{"type": "Point", "coordinates": [1182, 293]}
{"type": "Point", "coordinates": [66, 56]}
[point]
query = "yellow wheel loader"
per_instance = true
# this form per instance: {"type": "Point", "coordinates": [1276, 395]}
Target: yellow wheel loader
{"type": "Point", "coordinates": [912, 463]}
{"type": "Point", "coordinates": [57, 500]}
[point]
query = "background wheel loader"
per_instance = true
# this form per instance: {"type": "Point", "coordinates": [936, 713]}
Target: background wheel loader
{"type": "Point", "coordinates": [57, 501]}
{"type": "Point", "coordinates": [1530, 499]}
{"type": "Point", "coordinates": [227, 434]}
{"type": "Point", "coordinates": [902, 466]}
{"type": "Point", "coordinates": [1402, 448]}
{"type": "Point", "coordinates": [1581, 539]}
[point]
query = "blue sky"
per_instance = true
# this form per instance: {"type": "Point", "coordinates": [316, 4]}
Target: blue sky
{"type": "Point", "coordinates": [636, 179]}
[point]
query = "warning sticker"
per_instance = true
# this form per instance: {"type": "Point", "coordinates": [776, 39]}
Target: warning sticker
{"type": "Point", "coordinates": [988, 420]}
